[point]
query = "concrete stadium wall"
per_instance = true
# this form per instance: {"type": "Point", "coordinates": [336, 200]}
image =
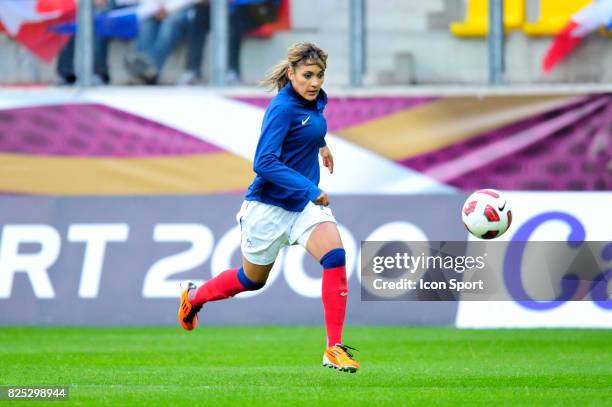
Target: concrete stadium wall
{"type": "Point", "coordinates": [408, 42]}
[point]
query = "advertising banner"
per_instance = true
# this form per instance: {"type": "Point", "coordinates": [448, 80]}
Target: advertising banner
{"type": "Point", "coordinates": [121, 260]}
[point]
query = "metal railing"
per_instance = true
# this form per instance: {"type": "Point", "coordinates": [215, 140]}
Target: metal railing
{"type": "Point", "coordinates": [496, 42]}
{"type": "Point", "coordinates": [219, 16]}
{"type": "Point", "coordinates": [357, 42]}
{"type": "Point", "coordinates": [219, 33]}
{"type": "Point", "coordinates": [84, 45]}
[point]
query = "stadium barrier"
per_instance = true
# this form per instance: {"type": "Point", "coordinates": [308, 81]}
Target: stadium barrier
{"type": "Point", "coordinates": [120, 260]}
{"type": "Point", "coordinates": [127, 194]}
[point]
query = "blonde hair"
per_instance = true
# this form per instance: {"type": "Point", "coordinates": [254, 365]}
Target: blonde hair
{"type": "Point", "coordinates": [300, 53]}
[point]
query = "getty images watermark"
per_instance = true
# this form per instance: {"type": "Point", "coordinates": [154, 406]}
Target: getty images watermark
{"type": "Point", "coordinates": [487, 270]}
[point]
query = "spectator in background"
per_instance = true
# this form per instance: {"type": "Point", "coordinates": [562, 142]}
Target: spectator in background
{"type": "Point", "coordinates": [65, 61]}
{"type": "Point", "coordinates": [245, 16]}
{"type": "Point", "coordinates": [159, 35]}
{"type": "Point", "coordinates": [197, 27]}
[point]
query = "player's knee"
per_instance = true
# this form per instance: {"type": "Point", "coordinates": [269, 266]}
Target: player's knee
{"type": "Point", "coordinates": [334, 258]}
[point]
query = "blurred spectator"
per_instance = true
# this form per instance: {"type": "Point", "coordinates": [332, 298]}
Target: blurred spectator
{"type": "Point", "coordinates": [245, 16]}
{"type": "Point", "coordinates": [65, 61]}
{"type": "Point", "coordinates": [159, 35]}
{"type": "Point", "coordinates": [197, 27]}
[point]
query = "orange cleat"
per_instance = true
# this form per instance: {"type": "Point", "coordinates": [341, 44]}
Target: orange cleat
{"type": "Point", "coordinates": [187, 313]}
{"type": "Point", "coordinates": [339, 357]}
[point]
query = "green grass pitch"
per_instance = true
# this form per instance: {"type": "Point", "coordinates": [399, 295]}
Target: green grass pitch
{"type": "Point", "coordinates": [282, 366]}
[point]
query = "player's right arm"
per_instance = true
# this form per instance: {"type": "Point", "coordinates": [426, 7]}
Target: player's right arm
{"type": "Point", "coordinates": [267, 164]}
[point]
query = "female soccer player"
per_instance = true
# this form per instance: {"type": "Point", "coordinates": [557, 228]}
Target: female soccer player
{"type": "Point", "coordinates": [284, 204]}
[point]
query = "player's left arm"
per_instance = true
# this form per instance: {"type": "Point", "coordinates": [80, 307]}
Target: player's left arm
{"type": "Point", "coordinates": [328, 158]}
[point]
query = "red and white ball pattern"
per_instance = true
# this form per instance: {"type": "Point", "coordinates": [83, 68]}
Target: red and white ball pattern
{"type": "Point", "coordinates": [486, 214]}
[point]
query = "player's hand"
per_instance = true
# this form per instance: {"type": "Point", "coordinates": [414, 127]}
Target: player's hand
{"type": "Point", "coordinates": [328, 159]}
{"type": "Point", "coordinates": [322, 199]}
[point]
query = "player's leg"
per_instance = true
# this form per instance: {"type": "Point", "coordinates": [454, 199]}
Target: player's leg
{"type": "Point", "coordinates": [249, 277]}
{"type": "Point", "coordinates": [262, 237]}
{"type": "Point", "coordinates": [325, 245]}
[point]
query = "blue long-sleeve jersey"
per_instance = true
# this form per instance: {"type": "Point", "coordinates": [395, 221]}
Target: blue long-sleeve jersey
{"type": "Point", "coordinates": [287, 156]}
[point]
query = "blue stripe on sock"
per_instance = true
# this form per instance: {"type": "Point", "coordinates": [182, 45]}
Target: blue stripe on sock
{"type": "Point", "coordinates": [248, 284]}
{"type": "Point", "coordinates": [334, 258]}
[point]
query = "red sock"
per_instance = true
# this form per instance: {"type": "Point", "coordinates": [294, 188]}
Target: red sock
{"type": "Point", "coordinates": [334, 294]}
{"type": "Point", "coordinates": [225, 285]}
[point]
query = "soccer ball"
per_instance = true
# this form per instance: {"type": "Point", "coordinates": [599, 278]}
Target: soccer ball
{"type": "Point", "coordinates": [486, 214]}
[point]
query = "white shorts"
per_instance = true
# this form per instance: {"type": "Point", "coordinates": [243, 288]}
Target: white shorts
{"type": "Point", "coordinates": [265, 229]}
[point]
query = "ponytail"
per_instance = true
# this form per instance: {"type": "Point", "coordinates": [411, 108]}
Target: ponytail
{"type": "Point", "coordinates": [300, 53]}
{"type": "Point", "coordinates": [277, 78]}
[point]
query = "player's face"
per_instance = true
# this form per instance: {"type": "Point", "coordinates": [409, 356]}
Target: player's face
{"type": "Point", "coordinates": [307, 80]}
